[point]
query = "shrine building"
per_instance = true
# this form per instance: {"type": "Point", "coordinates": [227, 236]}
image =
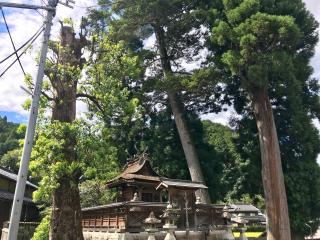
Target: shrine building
{"type": "Point", "coordinates": [141, 191]}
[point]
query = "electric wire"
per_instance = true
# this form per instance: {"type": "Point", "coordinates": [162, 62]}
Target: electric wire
{"type": "Point", "coordinates": [23, 45]}
{"type": "Point", "coordinates": [14, 47]}
{"type": "Point", "coordinates": [44, 3]}
{"type": "Point", "coordinates": [39, 13]}
{"type": "Point", "coordinates": [23, 52]}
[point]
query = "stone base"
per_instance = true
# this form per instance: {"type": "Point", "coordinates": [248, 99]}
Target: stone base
{"type": "Point", "coordinates": [26, 230]}
{"type": "Point", "coordinates": [180, 235]}
{"type": "Point", "coordinates": [4, 234]}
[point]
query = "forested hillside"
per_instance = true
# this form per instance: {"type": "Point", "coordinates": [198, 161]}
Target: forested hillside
{"type": "Point", "coordinates": [10, 136]}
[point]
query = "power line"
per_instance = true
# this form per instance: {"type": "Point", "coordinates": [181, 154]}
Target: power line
{"type": "Point", "coordinates": [39, 13]}
{"type": "Point", "coordinates": [24, 51]}
{"type": "Point", "coordinates": [14, 47]}
{"type": "Point", "coordinates": [23, 45]}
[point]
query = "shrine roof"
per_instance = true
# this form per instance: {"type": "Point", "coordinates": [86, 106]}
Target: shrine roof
{"type": "Point", "coordinates": [13, 177]}
{"type": "Point", "coordinates": [140, 170]}
{"type": "Point", "coordinates": [4, 195]}
{"type": "Point", "coordinates": [243, 207]}
{"type": "Point", "coordinates": [141, 165]}
{"type": "Point", "coordinates": [127, 204]}
{"type": "Point", "coordinates": [147, 204]}
{"type": "Point", "coordinates": [167, 183]}
{"type": "Point", "coordinates": [142, 177]}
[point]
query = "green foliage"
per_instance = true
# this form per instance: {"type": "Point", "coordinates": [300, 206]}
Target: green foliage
{"type": "Point", "coordinates": [99, 155]}
{"type": "Point", "coordinates": [49, 162]}
{"type": "Point", "coordinates": [11, 160]}
{"type": "Point", "coordinates": [106, 82]}
{"type": "Point", "coordinates": [180, 22]}
{"type": "Point", "coordinates": [299, 144]}
{"type": "Point", "coordinates": [42, 231]}
{"type": "Point", "coordinates": [94, 193]}
{"type": "Point", "coordinates": [269, 44]}
{"type": "Point", "coordinates": [10, 137]}
{"type": "Point", "coordinates": [263, 43]}
{"type": "Point", "coordinates": [118, 109]}
{"type": "Point", "coordinates": [95, 159]}
{"type": "Point", "coordinates": [221, 140]}
{"type": "Point", "coordinates": [255, 42]}
{"type": "Point", "coordinates": [68, 21]}
{"type": "Point", "coordinates": [163, 146]}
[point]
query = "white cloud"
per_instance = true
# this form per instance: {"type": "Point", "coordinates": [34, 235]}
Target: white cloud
{"type": "Point", "coordinates": [222, 117]}
{"type": "Point", "coordinates": [23, 24]}
{"type": "Point", "coordinates": [314, 8]}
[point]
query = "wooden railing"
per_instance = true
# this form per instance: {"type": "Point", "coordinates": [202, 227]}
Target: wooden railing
{"type": "Point", "coordinates": [109, 221]}
{"type": "Point", "coordinates": [130, 216]}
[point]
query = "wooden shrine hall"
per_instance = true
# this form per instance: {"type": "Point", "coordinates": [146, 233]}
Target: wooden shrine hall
{"type": "Point", "coordinates": [141, 191]}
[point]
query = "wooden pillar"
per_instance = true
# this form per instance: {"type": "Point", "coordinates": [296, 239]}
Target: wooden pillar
{"type": "Point", "coordinates": [195, 218]}
{"type": "Point", "coordinates": [117, 221]}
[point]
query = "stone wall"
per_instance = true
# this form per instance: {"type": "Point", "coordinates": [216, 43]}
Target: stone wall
{"type": "Point", "coordinates": [180, 235]}
{"type": "Point", "coordinates": [26, 230]}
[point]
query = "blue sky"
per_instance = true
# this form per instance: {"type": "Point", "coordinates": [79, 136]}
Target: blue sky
{"type": "Point", "coordinates": [14, 117]}
{"type": "Point", "coordinates": [23, 24]}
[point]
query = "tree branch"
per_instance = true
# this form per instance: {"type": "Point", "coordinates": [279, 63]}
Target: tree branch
{"type": "Point", "coordinates": [93, 99]}
{"type": "Point", "coordinates": [31, 87]}
{"type": "Point", "coordinates": [47, 96]}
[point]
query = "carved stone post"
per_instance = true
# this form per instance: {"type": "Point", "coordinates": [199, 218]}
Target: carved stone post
{"type": "Point", "coordinates": [170, 216]}
{"type": "Point", "coordinates": [226, 216]}
{"type": "Point", "coordinates": [242, 225]}
{"type": "Point", "coordinates": [151, 226]}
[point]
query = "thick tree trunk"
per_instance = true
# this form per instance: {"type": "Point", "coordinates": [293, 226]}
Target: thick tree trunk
{"type": "Point", "coordinates": [272, 175]}
{"type": "Point", "coordinates": [66, 213]}
{"type": "Point", "coordinates": [180, 120]}
{"type": "Point", "coordinates": [66, 210]}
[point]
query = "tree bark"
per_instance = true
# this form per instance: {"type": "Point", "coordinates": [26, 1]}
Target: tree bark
{"type": "Point", "coordinates": [66, 210]}
{"type": "Point", "coordinates": [272, 175]}
{"type": "Point", "coordinates": [179, 117]}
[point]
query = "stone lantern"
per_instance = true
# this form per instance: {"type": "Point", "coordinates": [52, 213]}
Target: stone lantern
{"type": "Point", "coordinates": [198, 200]}
{"type": "Point", "coordinates": [170, 215]}
{"type": "Point", "coordinates": [151, 226]}
{"type": "Point", "coordinates": [226, 216]}
{"type": "Point", "coordinates": [134, 200]}
{"type": "Point", "coordinates": [242, 226]}
{"type": "Point", "coordinates": [135, 197]}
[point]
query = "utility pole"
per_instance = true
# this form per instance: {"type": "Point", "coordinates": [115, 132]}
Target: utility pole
{"type": "Point", "coordinates": [28, 141]}
{"type": "Point", "coordinates": [29, 138]}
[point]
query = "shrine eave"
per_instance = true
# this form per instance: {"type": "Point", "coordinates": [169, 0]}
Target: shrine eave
{"type": "Point", "coordinates": [181, 184]}
{"type": "Point", "coordinates": [127, 204]}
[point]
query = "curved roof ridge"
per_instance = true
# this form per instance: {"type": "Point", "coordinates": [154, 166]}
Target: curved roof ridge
{"type": "Point", "coordinates": [13, 177]}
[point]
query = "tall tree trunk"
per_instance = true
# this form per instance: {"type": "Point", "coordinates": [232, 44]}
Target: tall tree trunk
{"type": "Point", "coordinates": [179, 117]}
{"type": "Point", "coordinates": [66, 210]}
{"type": "Point", "coordinates": [272, 175]}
